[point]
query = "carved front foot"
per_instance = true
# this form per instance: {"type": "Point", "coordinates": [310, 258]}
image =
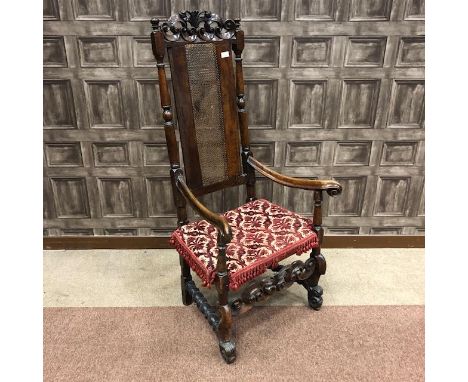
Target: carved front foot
{"type": "Point", "coordinates": [314, 296]}
{"type": "Point", "coordinates": [315, 291]}
{"type": "Point", "coordinates": [228, 350]}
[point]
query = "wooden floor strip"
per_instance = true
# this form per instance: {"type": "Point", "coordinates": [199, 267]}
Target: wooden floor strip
{"type": "Point", "coordinates": [331, 241]}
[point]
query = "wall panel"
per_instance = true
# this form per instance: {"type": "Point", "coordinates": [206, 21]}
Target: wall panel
{"type": "Point", "coordinates": [334, 88]}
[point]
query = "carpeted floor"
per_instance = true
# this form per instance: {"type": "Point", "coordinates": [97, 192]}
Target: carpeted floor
{"type": "Point", "coordinates": [384, 343]}
{"type": "Point", "coordinates": [85, 340]}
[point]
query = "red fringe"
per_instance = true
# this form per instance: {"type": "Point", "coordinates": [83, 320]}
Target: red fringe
{"type": "Point", "coordinates": [248, 273]}
{"type": "Point", "coordinates": [256, 269]}
{"type": "Point", "coordinates": [195, 264]}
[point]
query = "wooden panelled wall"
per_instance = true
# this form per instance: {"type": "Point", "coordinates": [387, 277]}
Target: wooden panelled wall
{"type": "Point", "coordinates": [335, 88]}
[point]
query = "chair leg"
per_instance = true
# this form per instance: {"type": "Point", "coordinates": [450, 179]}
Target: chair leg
{"type": "Point", "coordinates": [221, 320]}
{"type": "Point", "coordinates": [227, 345]}
{"type": "Point", "coordinates": [315, 291]}
{"type": "Point", "coordinates": [184, 278]}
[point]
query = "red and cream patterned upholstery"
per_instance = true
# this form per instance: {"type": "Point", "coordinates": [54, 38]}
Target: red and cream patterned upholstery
{"type": "Point", "coordinates": [263, 235]}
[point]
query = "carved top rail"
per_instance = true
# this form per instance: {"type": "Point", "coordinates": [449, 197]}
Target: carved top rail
{"type": "Point", "coordinates": [196, 26]}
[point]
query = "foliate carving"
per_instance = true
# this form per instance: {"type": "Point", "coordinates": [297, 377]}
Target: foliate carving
{"type": "Point", "coordinates": [297, 271]}
{"type": "Point", "coordinates": [194, 26]}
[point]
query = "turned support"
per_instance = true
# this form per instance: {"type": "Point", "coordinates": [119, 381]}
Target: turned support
{"type": "Point", "coordinates": [238, 47]}
{"type": "Point", "coordinates": [314, 291]}
{"type": "Point", "coordinates": [317, 220]}
{"type": "Point", "coordinates": [159, 49]}
{"type": "Point", "coordinates": [202, 304]}
{"type": "Point", "coordinates": [227, 344]}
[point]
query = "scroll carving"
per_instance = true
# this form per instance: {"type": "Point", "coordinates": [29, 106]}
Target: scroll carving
{"type": "Point", "coordinates": [196, 26]}
{"type": "Point", "coordinates": [297, 271]}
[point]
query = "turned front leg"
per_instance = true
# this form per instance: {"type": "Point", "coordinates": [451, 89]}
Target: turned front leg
{"type": "Point", "coordinates": [185, 275]}
{"type": "Point", "coordinates": [314, 291]}
{"type": "Point", "coordinates": [227, 345]}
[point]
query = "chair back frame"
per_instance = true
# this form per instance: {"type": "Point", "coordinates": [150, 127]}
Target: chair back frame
{"type": "Point", "coordinates": [199, 44]}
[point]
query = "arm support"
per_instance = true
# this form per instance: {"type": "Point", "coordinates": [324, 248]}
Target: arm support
{"type": "Point", "coordinates": [220, 222]}
{"type": "Point", "coordinates": [330, 186]}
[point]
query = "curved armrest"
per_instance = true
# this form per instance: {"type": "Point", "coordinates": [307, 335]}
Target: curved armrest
{"type": "Point", "coordinates": [219, 221]}
{"type": "Point", "coordinates": [330, 186]}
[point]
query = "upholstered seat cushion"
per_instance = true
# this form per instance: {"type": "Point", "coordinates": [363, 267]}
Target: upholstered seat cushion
{"type": "Point", "coordinates": [263, 235]}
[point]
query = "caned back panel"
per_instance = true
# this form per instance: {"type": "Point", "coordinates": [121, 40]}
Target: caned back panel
{"type": "Point", "coordinates": [204, 93]}
{"type": "Point", "coordinates": [334, 88]}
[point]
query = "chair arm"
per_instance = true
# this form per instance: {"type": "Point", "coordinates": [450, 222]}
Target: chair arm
{"type": "Point", "coordinates": [219, 221]}
{"type": "Point", "coordinates": [330, 186]}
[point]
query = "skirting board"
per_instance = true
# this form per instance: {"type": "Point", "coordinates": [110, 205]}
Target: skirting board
{"type": "Point", "coordinates": [155, 242]}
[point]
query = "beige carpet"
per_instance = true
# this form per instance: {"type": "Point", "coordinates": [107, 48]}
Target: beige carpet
{"type": "Point", "coordinates": [151, 278]}
{"type": "Point", "coordinates": [117, 316]}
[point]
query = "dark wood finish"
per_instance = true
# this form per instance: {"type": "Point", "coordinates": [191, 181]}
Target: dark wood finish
{"type": "Point", "coordinates": [185, 279]}
{"type": "Point", "coordinates": [314, 291]}
{"type": "Point", "coordinates": [330, 186]}
{"type": "Point", "coordinates": [180, 84]}
{"type": "Point", "coordinates": [220, 222]}
{"type": "Point", "coordinates": [260, 290]}
{"type": "Point", "coordinates": [307, 273]}
{"type": "Point", "coordinates": [374, 241]}
{"type": "Point", "coordinates": [195, 26]}
{"type": "Point", "coordinates": [157, 43]}
{"type": "Point", "coordinates": [231, 127]}
{"type": "Point", "coordinates": [158, 242]}
{"type": "Point", "coordinates": [227, 345]}
{"type": "Point", "coordinates": [238, 48]}
{"type": "Point", "coordinates": [182, 94]}
{"type": "Point", "coordinates": [105, 242]}
{"type": "Point", "coordinates": [203, 305]}
{"type": "Point", "coordinates": [202, 27]}
{"type": "Point", "coordinates": [318, 198]}
{"type": "Point", "coordinates": [187, 26]}
{"type": "Point", "coordinates": [198, 27]}
{"type": "Point", "coordinates": [221, 38]}
{"type": "Point", "coordinates": [224, 329]}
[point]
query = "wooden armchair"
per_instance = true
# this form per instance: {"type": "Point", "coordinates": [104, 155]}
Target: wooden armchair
{"type": "Point", "coordinates": [232, 249]}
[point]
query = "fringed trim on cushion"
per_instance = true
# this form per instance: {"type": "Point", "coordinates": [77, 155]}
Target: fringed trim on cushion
{"type": "Point", "coordinates": [193, 261]}
{"type": "Point", "coordinates": [257, 268]}
{"type": "Point", "coordinates": [242, 276]}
